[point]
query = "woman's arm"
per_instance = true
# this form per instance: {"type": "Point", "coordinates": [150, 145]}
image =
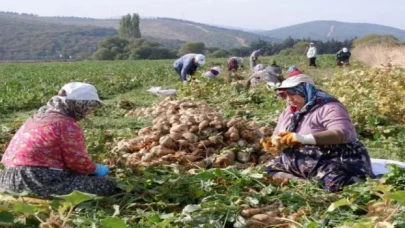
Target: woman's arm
{"type": "Point", "coordinates": [336, 120]}
{"type": "Point", "coordinates": [333, 117]}
{"type": "Point", "coordinates": [329, 137]}
{"type": "Point", "coordinates": [73, 149]}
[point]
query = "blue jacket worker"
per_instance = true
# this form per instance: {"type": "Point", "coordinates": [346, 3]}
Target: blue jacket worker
{"type": "Point", "coordinates": [188, 64]}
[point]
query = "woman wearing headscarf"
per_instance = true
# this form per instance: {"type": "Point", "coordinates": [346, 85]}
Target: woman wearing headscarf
{"type": "Point", "coordinates": [213, 72]}
{"type": "Point", "coordinates": [48, 156]}
{"type": "Point", "coordinates": [274, 68]}
{"type": "Point", "coordinates": [317, 138]}
{"type": "Point", "coordinates": [188, 65]}
{"type": "Point", "coordinates": [262, 75]}
{"type": "Point", "coordinates": [234, 63]}
{"type": "Point", "coordinates": [293, 71]}
{"type": "Point", "coordinates": [254, 58]}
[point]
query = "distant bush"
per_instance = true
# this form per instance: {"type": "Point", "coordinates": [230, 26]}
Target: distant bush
{"type": "Point", "coordinates": [191, 47]}
{"type": "Point", "coordinates": [116, 48]}
{"type": "Point", "coordinates": [374, 39]}
{"type": "Point", "coordinates": [286, 52]}
{"type": "Point", "coordinates": [300, 48]}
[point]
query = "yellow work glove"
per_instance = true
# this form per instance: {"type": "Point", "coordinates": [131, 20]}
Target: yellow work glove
{"type": "Point", "coordinates": [290, 138]}
{"type": "Point", "coordinates": [266, 143]}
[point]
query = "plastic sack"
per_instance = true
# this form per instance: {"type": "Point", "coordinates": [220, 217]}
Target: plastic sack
{"type": "Point", "coordinates": [154, 90]}
{"type": "Point", "coordinates": [166, 92]}
{"type": "Point", "coordinates": [379, 165]}
{"type": "Point", "coordinates": [157, 90]}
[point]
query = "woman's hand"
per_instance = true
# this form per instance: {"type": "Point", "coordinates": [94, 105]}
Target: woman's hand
{"type": "Point", "coordinates": [266, 143]}
{"type": "Point", "coordinates": [290, 138]}
{"type": "Point", "coordinates": [272, 145]}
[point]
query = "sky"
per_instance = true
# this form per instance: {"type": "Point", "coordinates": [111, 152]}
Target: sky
{"type": "Point", "coordinates": [249, 14]}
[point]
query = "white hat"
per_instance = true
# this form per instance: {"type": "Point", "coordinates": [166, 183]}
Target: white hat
{"type": "Point", "coordinates": [209, 74]}
{"type": "Point", "coordinates": [200, 59]}
{"type": "Point", "coordinates": [239, 60]}
{"type": "Point", "coordinates": [217, 69]}
{"type": "Point", "coordinates": [81, 91]}
{"type": "Point", "coordinates": [293, 81]}
{"type": "Point", "coordinates": [344, 50]}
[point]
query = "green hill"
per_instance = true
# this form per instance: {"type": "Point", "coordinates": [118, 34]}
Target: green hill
{"type": "Point", "coordinates": [171, 29]}
{"type": "Point", "coordinates": [324, 30]}
{"type": "Point", "coordinates": [24, 39]}
{"type": "Point", "coordinates": [189, 31]}
{"type": "Point", "coordinates": [27, 37]}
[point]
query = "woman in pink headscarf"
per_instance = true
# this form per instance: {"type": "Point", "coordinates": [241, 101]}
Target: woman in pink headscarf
{"type": "Point", "coordinates": [48, 156]}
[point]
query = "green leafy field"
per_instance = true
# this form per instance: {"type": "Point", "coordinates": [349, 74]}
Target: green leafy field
{"type": "Point", "coordinates": [167, 197]}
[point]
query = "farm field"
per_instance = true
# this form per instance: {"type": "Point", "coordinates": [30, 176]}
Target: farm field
{"type": "Point", "coordinates": [162, 195]}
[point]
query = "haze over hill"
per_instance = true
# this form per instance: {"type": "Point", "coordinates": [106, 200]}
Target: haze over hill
{"type": "Point", "coordinates": [24, 39]}
{"type": "Point", "coordinates": [324, 30]}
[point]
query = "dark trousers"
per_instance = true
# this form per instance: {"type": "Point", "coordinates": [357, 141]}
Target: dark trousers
{"type": "Point", "coordinates": [312, 62]}
{"type": "Point", "coordinates": [342, 62]}
{"type": "Point", "coordinates": [178, 71]}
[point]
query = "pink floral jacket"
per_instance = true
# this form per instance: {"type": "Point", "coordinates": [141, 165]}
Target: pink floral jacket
{"type": "Point", "coordinates": [55, 141]}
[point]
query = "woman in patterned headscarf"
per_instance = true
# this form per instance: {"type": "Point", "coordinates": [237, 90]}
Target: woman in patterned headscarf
{"type": "Point", "coordinates": [234, 63]}
{"type": "Point", "coordinates": [48, 155]}
{"type": "Point", "coordinates": [318, 137]}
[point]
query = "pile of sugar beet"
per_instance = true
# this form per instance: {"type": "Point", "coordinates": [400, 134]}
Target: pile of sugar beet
{"type": "Point", "coordinates": [193, 135]}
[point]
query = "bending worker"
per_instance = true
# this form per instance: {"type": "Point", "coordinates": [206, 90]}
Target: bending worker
{"type": "Point", "coordinates": [343, 57]}
{"type": "Point", "coordinates": [188, 64]}
{"type": "Point", "coordinates": [48, 154]}
{"type": "Point", "coordinates": [254, 57]}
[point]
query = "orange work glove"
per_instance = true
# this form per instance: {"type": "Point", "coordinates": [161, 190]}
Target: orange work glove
{"type": "Point", "coordinates": [269, 146]}
{"type": "Point", "coordinates": [266, 143]}
{"type": "Point", "coordinates": [290, 138]}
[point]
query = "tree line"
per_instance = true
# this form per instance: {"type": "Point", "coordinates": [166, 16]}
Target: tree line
{"type": "Point", "coordinates": [130, 46]}
{"type": "Point", "coordinates": [117, 48]}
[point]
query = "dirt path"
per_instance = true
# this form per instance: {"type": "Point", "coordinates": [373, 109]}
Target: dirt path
{"type": "Point", "coordinates": [199, 27]}
{"type": "Point", "coordinates": [241, 41]}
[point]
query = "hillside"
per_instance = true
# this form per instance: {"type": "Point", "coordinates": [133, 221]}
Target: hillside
{"type": "Point", "coordinates": [23, 39]}
{"type": "Point", "coordinates": [323, 30]}
{"type": "Point", "coordinates": [174, 29]}
{"type": "Point", "coordinates": [189, 31]}
{"type": "Point", "coordinates": [169, 31]}
{"type": "Point", "coordinates": [31, 37]}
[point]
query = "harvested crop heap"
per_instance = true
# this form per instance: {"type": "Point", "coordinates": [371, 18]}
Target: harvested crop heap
{"type": "Point", "coordinates": [192, 134]}
{"type": "Point", "coordinates": [270, 215]}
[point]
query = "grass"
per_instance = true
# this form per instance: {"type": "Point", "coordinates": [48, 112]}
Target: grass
{"type": "Point", "coordinates": [129, 80]}
{"type": "Point", "coordinates": [157, 196]}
